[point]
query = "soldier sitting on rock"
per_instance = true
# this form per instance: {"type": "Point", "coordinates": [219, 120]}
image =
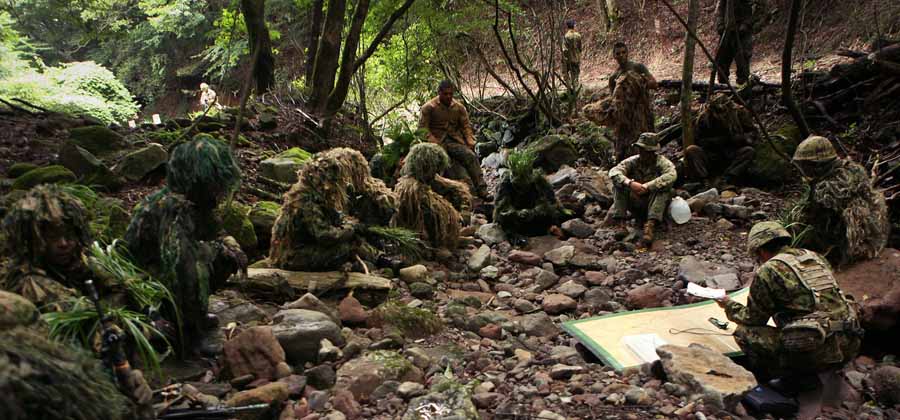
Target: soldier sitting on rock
{"type": "Point", "coordinates": [326, 213]}
{"type": "Point", "coordinates": [525, 202]}
{"type": "Point", "coordinates": [643, 186]}
{"type": "Point", "coordinates": [848, 217]}
{"type": "Point", "coordinates": [427, 202]}
{"type": "Point", "coordinates": [816, 327]}
{"type": "Point", "coordinates": [175, 235]}
{"type": "Point", "coordinates": [723, 147]}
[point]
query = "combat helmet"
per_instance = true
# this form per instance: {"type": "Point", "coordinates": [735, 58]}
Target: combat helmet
{"type": "Point", "coordinates": [815, 149]}
{"type": "Point", "coordinates": [648, 142]}
{"type": "Point", "coordinates": [765, 232]}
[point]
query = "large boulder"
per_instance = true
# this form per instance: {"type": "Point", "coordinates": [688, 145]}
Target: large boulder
{"type": "Point", "coordinates": [649, 296]}
{"type": "Point", "coordinates": [300, 331]}
{"type": "Point", "coordinates": [53, 174]}
{"type": "Point", "coordinates": [99, 140]}
{"type": "Point", "coordinates": [363, 375]}
{"type": "Point", "coordinates": [480, 258]}
{"type": "Point", "coordinates": [256, 351]}
{"type": "Point", "coordinates": [553, 152]}
{"type": "Point", "coordinates": [705, 273]}
{"type": "Point", "coordinates": [236, 222]}
{"type": "Point", "coordinates": [137, 164]}
{"type": "Point", "coordinates": [262, 216]}
{"type": "Point", "coordinates": [86, 166]}
{"type": "Point", "coordinates": [284, 166]}
{"type": "Point", "coordinates": [769, 168]}
{"type": "Point", "coordinates": [710, 375]}
{"type": "Point", "coordinates": [491, 233]}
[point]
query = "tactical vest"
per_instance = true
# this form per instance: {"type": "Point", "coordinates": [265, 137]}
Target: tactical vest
{"type": "Point", "coordinates": [808, 332]}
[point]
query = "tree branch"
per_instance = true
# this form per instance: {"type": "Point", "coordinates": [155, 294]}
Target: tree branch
{"type": "Point", "coordinates": [383, 33]}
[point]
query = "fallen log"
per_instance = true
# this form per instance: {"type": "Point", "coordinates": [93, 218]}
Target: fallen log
{"type": "Point", "coordinates": [703, 86]}
{"type": "Point", "coordinates": [285, 285]}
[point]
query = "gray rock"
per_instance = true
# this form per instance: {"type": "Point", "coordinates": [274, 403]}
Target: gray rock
{"type": "Point", "coordinates": [690, 269]}
{"type": "Point", "coordinates": [280, 169]}
{"type": "Point", "coordinates": [556, 303]}
{"type": "Point", "coordinates": [560, 256]}
{"type": "Point", "coordinates": [539, 324]}
{"type": "Point", "coordinates": [637, 396]}
{"type": "Point", "coordinates": [87, 167]}
{"type": "Point", "coordinates": [454, 400]}
{"type": "Point", "coordinates": [414, 274]}
{"type": "Point", "coordinates": [736, 212]}
{"type": "Point", "coordinates": [698, 201]}
{"type": "Point", "coordinates": [549, 415]}
{"type": "Point", "coordinates": [504, 294]}
{"type": "Point", "coordinates": [409, 390]}
{"type": "Point", "coordinates": [577, 228]}
{"type": "Point", "coordinates": [363, 375]}
{"type": "Point", "coordinates": [565, 175]}
{"type": "Point", "coordinates": [235, 310]}
{"type": "Point", "coordinates": [712, 375]}
{"type": "Point", "coordinates": [493, 161]}
{"type": "Point", "coordinates": [491, 233]}
{"type": "Point", "coordinates": [310, 302]}
{"type": "Point", "coordinates": [419, 357]}
{"type": "Point", "coordinates": [524, 306]}
{"type": "Point", "coordinates": [328, 352]}
{"type": "Point", "coordinates": [136, 165]}
{"type": "Point", "coordinates": [480, 258]}
{"type": "Point", "coordinates": [545, 279]}
{"type": "Point", "coordinates": [597, 297]}
{"type": "Point", "coordinates": [385, 389]}
{"type": "Point", "coordinates": [321, 376]}
{"type": "Point", "coordinates": [300, 331]}
{"type": "Point", "coordinates": [571, 289]}
{"type": "Point", "coordinates": [560, 371]}
{"type": "Point", "coordinates": [727, 281]}
{"type": "Point", "coordinates": [421, 290]}
{"type": "Point", "coordinates": [490, 272]}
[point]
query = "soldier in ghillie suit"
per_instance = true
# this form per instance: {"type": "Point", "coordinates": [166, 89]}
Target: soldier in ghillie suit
{"type": "Point", "coordinates": [816, 326]}
{"type": "Point", "coordinates": [50, 231]}
{"type": "Point", "coordinates": [630, 111]}
{"type": "Point", "coordinates": [525, 202]}
{"type": "Point", "coordinates": [734, 23]}
{"type": "Point", "coordinates": [325, 214]}
{"type": "Point", "coordinates": [643, 186]}
{"type": "Point", "coordinates": [447, 122]}
{"type": "Point", "coordinates": [572, 54]}
{"type": "Point", "coordinates": [427, 202]}
{"type": "Point", "coordinates": [176, 237]}
{"type": "Point", "coordinates": [723, 148]}
{"type": "Point", "coordinates": [847, 216]}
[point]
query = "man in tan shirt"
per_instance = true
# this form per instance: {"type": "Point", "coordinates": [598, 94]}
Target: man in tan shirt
{"type": "Point", "coordinates": [572, 54]}
{"type": "Point", "coordinates": [447, 122]}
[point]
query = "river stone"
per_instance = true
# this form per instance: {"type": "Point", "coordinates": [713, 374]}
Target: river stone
{"type": "Point", "coordinates": [690, 269]}
{"type": "Point", "coordinates": [491, 234]}
{"type": "Point", "coordinates": [280, 169]}
{"type": "Point", "coordinates": [480, 258]}
{"type": "Point", "coordinates": [560, 256]}
{"type": "Point", "coordinates": [300, 331]}
{"type": "Point", "coordinates": [137, 164]}
{"type": "Point", "coordinates": [706, 373]}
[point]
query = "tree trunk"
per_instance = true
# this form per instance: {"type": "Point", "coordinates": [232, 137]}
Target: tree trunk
{"type": "Point", "coordinates": [255, 18]}
{"type": "Point", "coordinates": [787, 95]}
{"type": "Point", "coordinates": [348, 60]}
{"type": "Point", "coordinates": [314, 32]}
{"type": "Point", "coordinates": [604, 13]}
{"type": "Point", "coordinates": [612, 13]}
{"type": "Point", "coordinates": [326, 63]}
{"type": "Point", "coordinates": [687, 77]}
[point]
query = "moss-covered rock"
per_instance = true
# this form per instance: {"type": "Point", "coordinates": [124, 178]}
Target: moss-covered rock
{"type": "Point", "coordinates": [769, 167]}
{"type": "Point", "coordinates": [263, 215]}
{"type": "Point", "coordinates": [89, 170]}
{"type": "Point", "coordinates": [297, 154]}
{"type": "Point", "coordinates": [595, 143]}
{"type": "Point", "coordinates": [99, 140]}
{"type": "Point", "coordinates": [19, 169]}
{"type": "Point", "coordinates": [137, 164]}
{"type": "Point", "coordinates": [363, 375]}
{"type": "Point", "coordinates": [267, 121]}
{"type": "Point", "coordinates": [412, 322]}
{"type": "Point", "coordinates": [553, 152]}
{"type": "Point", "coordinates": [236, 222]}
{"type": "Point", "coordinates": [54, 174]}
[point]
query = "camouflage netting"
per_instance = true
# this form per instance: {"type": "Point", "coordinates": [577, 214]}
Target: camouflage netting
{"type": "Point", "coordinates": [43, 379]}
{"type": "Point", "coordinates": [525, 201]}
{"type": "Point", "coordinates": [721, 116]}
{"type": "Point", "coordinates": [200, 164]}
{"type": "Point", "coordinates": [43, 206]}
{"type": "Point", "coordinates": [428, 203]}
{"type": "Point", "coordinates": [316, 227]}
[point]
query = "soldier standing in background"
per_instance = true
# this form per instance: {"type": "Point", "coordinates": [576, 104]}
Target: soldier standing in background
{"type": "Point", "coordinates": [734, 23]}
{"type": "Point", "coordinates": [572, 55]}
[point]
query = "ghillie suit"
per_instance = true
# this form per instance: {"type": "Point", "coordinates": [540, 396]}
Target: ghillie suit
{"type": "Point", "coordinates": [525, 202]}
{"type": "Point", "coordinates": [628, 112]}
{"type": "Point", "coordinates": [723, 144]}
{"type": "Point", "coordinates": [44, 379]}
{"type": "Point", "coordinates": [428, 203]}
{"type": "Point", "coordinates": [849, 218]}
{"type": "Point", "coordinates": [325, 214]}
{"type": "Point", "coordinates": [45, 215]}
{"type": "Point", "coordinates": [176, 237]}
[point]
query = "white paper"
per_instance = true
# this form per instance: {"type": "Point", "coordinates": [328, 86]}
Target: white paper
{"type": "Point", "coordinates": [705, 292]}
{"type": "Point", "coordinates": [644, 346]}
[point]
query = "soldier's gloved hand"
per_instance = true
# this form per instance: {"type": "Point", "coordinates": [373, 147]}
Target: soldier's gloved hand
{"type": "Point", "coordinates": [233, 251]}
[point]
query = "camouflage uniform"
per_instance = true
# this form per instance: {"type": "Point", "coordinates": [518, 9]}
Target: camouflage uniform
{"type": "Point", "coordinates": [428, 203]}
{"type": "Point", "coordinates": [325, 213]}
{"type": "Point", "coordinates": [723, 143]}
{"type": "Point", "coordinates": [848, 217]}
{"type": "Point", "coordinates": [449, 127]}
{"type": "Point", "coordinates": [175, 235]}
{"type": "Point", "coordinates": [658, 175]}
{"type": "Point", "coordinates": [631, 109]}
{"type": "Point", "coordinates": [32, 271]}
{"type": "Point", "coordinates": [779, 292]}
{"type": "Point", "coordinates": [572, 56]}
{"type": "Point", "coordinates": [736, 38]}
{"type": "Point", "coordinates": [527, 208]}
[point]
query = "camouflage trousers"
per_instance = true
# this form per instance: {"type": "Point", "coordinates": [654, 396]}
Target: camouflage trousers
{"type": "Point", "coordinates": [465, 157]}
{"type": "Point", "coordinates": [573, 73]}
{"type": "Point", "coordinates": [696, 163]}
{"type": "Point", "coordinates": [735, 47]}
{"type": "Point", "coordinates": [651, 206]}
{"type": "Point", "coordinates": [763, 347]}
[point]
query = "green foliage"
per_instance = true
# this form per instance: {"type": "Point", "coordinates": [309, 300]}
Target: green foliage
{"type": "Point", "coordinates": [143, 290]}
{"type": "Point", "coordinates": [53, 174]}
{"type": "Point", "coordinates": [90, 79]}
{"type": "Point", "coordinates": [791, 217]}
{"type": "Point", "coordinates": [107, 218]}
{"type": "Point", "coordinates": [406, 241]}
{"type": "Point", "coordinates": [403, 136]}
{"type": "Point", "coordinates": [296, 154]}
{"type": "Point", "coordinates": [521, 163]}
{"type": "Point", "coordinates": [79, 324]}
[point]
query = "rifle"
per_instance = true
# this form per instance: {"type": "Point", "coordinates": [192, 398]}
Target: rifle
{"type": "Point", "coordinates": [111, 343]}
{"type": "Point", "coordinates": [209, 413]}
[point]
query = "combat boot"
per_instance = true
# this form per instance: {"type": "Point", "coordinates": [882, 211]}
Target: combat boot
{"type": "Point", "coordinates": [648, 232]}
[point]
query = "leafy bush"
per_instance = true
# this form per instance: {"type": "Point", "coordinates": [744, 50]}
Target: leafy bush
{"type": "Point", "coordinates": [91, 79]}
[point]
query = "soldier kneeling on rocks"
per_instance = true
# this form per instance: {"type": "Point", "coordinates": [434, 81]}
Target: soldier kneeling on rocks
{"type": "Point", "coordinates": [643, 186]}
{"type": "Point", "coordinates": [816, 325]}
